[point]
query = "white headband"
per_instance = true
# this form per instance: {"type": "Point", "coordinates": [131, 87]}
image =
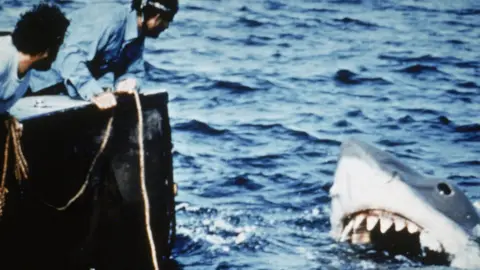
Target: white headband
{"type": "Point", "coordinates": [155, 5]}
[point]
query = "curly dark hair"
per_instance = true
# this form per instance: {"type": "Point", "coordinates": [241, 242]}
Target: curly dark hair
{"type": "Point", "coordinates": [40, 29]}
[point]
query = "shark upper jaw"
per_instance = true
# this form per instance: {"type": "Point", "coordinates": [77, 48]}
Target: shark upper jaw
{"type": "Point", "coordinates": [370, 205]}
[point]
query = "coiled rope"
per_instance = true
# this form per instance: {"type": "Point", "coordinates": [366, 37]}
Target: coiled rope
{"type": "Point", "coordinates": [21, 166]}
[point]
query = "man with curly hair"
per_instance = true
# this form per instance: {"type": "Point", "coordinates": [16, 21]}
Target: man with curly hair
{"type": "Point", "coordinates": [34, 44]}
{"type": "Point", "coordinates": [105, 40]}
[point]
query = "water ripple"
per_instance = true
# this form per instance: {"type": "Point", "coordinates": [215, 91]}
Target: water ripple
{"type": "Point", "coordinates": [198, 127]}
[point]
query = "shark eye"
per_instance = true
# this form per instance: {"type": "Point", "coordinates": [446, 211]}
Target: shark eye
{"type": "Point", "coordinates": [444, 189]}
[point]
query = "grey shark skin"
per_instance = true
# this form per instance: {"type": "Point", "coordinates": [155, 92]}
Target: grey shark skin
{"type": "Point", "coordinates": [373, 190]}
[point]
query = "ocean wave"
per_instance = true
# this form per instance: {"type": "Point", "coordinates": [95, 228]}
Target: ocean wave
{"type": "Point", "coordinates": [243, 181]}
{"type": "Point", "coordinates": [468, 128]}
{"type": "Point", "coordinates": [407, 119]}
{"type": "Point", "coordinates": [395, 143]}
{"type": "Point", "coordinates": [418, 68]}
{"type": "Point", "coordinates": [250, 22]}
{"type": "Point", "coordinates": [421, 111]}
{"type": "Point", "coordinates": [348, 77]}
{"type": "Point", "coordinates": [427, 58]}
{"type": "Point", "coordinates": [348, 20]}
{"type": "Point", "coordinates": [196, 126]}
{"type": "Point", "coordinates": [468, 85]}
{"type": "Point", "coordinates": [465, 163]}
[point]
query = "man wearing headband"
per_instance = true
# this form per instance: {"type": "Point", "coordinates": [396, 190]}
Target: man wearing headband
{"type": "Point", "coordinates": [105, 40]}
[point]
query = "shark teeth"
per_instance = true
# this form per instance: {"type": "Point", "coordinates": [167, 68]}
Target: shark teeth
{"type": "Point", "coordinates": [428, 241]}
{"type": "Point", "coordinates": [412, 227]}
{"type": "Point", "coordinates": [346, 231]}
{"type": "Point", "coordinates": [400, 223]}
{"type": "Point", "coordinates": [359, 220]}
{"type": "Point", "coordinates": [358, 226]}
{"type": "Point", "coordinates": [385, 224]}
{"type": "Point", "coordinates": [371, 222]}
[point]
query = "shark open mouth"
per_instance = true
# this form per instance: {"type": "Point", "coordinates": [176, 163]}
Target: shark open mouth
{"type": "Point", "coordinates": [382, 205]}
{"type": "Point", "coordinates": [391, 232]}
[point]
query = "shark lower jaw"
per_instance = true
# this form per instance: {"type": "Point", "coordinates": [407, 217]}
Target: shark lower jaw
{"type": "Point", "coordinates": [392, 232]}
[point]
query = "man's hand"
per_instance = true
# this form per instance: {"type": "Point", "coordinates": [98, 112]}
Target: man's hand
{"type": "Point", "coordinates": [127, 86]}
{"type": "Point", "coordinates": [105, 101]}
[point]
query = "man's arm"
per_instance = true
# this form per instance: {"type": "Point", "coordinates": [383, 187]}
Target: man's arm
{"type": "Point", "coordinates": [136, 73]}
{"type": "Point", "coordinates": [5, 93]}
{"type": "Point", "coordinates": [72, 62]}
{"type": "Point", "coordinates": [134, 69]}
{"type": "Point", "coordinates": [4, 72]}
{"type": "Point", "coordinates": [79, 48]}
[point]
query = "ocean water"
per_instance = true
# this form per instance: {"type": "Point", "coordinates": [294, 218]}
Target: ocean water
{"type": "Point", "coordinates": [263, 92]}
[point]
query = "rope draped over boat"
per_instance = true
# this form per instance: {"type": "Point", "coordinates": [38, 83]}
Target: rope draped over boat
{"type": "Point", "coordinates": [106, 136]}
{"type": "Point", "coordinates": [141, 156]}
{"type": "Point", "coordinates": [146, 202]}
{"type": "Point", "coordinates": [13, 128]}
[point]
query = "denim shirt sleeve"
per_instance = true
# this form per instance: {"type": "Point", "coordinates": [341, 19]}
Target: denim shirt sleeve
{"type": "Point", "coordinates": [135, 70]}
{"type": "Point", "coordinates": [78, 49]}
{"type": "Point", "coordinates": [72, 61]}
{"type": "Point", "coordinates": [3, 77]}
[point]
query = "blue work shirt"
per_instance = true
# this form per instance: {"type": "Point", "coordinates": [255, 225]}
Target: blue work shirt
{"type": "Point", "coordinates": [101, 39]}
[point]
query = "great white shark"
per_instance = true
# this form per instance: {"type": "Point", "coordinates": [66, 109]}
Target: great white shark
{"type": "Point", "coordinates": [377, 200]}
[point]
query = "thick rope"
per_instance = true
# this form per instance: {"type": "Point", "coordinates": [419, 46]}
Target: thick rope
{"type": "Point", "coordinates": [3, 190]}
{"type": "Point", "coordinates": [146, 202]}
{"type": "Point", "coordinates": [106, 136]}
{"type": "Point", "coordinates": [143, 186]}
{"type": "Point", "coordinates": [21, 166]}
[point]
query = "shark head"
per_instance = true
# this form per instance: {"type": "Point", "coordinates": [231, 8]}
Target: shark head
{"type": "Point", "coordinates": [380, 201]}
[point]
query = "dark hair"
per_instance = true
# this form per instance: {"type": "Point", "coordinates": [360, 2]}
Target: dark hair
{"type": "Point", "coordinates": [40, 29]}
{"type": "Point", "coordinates": [136, 5]}
{"type": "Point", "coordinates": [150, 11]}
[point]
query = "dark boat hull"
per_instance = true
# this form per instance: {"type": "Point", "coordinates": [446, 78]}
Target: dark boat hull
{"type": "Point", "coordinates": [105, 228]}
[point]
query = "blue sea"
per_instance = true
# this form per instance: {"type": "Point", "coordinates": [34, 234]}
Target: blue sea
{"type": "Point", "coordinates": [263, 92]}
